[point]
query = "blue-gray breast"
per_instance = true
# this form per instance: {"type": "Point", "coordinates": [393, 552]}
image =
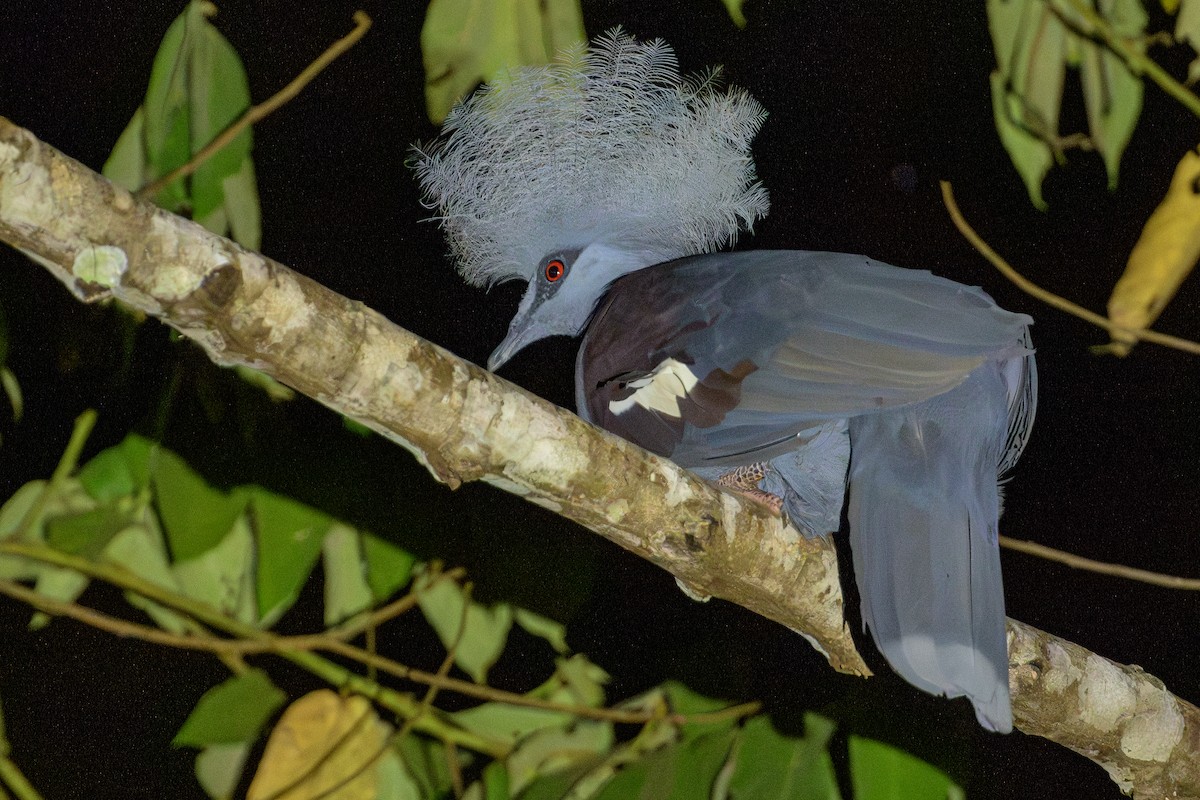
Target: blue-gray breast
{"type": "Point", "coordinates": [830, 370]}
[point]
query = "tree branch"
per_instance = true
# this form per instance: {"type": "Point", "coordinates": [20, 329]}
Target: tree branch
{"type": "Point", "coordinates": [465, 424]}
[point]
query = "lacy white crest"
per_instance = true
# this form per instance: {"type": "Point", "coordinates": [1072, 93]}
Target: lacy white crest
{"type": "Point", "coordinates": [608, 143]}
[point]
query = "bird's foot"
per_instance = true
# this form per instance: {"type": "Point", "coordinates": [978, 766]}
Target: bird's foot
{"type": "Point", "coordinates": [745, 480]}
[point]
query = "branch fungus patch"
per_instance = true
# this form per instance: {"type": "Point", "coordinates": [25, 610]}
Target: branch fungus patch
{"type": "Point", "coordinates": [103, 265]}
{"type": "Point", "coordinates": [1153, 734]}
{"type": "Point", "coordinates": [1105, 694]}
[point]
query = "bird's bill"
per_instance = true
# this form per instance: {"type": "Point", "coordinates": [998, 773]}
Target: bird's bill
{"type": "Point", "coordinates": [520, 334]}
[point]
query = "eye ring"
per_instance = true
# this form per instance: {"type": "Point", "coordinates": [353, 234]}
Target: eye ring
{"type": "Point", "coordinates": [555, 269]}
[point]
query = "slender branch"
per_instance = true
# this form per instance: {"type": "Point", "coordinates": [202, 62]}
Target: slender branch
{"type": "Point", "coordinates": [66, 466]}
{"type": "Point", "coordinates": [10, 774]}
{"type": "Point", "coordinates": [390, 611]}
{"type": "Point", "coordinates": [12, 777]}
{"type": "Point", "coordinates": [267, 643]}
{"type": "Point", "coordinates": [1101, 567]}
{"type": "Point", "coordinates": [332, 673]}
{"type": "Point", "coordinates": [254, 114]}
{"type": "Point", "coordinates": [1048, 297]}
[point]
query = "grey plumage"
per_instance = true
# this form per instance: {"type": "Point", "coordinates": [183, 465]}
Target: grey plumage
{"type": "Point", "coordinates": [607, 173]}
{"type": "Point", "coordinates": [835, 370]}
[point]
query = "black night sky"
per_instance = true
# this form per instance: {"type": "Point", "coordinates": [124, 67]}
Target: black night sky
{"type": "Point", "coordinates": [870, 105]}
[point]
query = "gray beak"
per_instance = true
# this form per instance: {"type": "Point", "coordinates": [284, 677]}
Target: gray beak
{"type": "Point", "coordinates": [507, 349]}
{"type": "Point", "coordinates": [520, 334]}
{"type": "Point", "coordinates": [523, 330]}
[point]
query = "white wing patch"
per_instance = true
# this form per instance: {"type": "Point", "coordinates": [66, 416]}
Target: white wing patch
{"type": "Point", "coordinates": [659, 391]}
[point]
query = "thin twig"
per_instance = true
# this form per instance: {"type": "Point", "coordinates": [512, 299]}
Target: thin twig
{"type": "Point", "coordinates": [254, 114]}
{"type": "Point", "coordinates": [1101, 567]}
{"type": "Point", "coordinates": [390, 611]}
{"type": "Point", "coordinates": [66, 466]}
{"type": "Point", "coordinates": [443, 670]}
{"type": "Point", "coordinates": [329, 671]}
{"type": "Point", "coordinates": [16, 781]}
{"type": "Point", "coordinates": [267, 643]}
{"type": "Point", "coordinates": [1048, 297]}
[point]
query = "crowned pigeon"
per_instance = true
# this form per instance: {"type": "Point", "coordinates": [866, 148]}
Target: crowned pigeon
{"type": "Point", "coordinates": [606, 181]}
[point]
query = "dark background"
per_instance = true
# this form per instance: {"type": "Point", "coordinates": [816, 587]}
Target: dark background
{"type": "Point", "coordinates": [870, 105]}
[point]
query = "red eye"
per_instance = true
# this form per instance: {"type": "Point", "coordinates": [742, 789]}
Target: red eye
{"type": "Point", "coordinates": [555, 269]}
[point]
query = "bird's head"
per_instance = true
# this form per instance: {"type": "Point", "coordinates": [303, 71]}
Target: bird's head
{"type": "Point", "coordinates": [564, 292]}
{"type": "Point", "coordinates": [572, 174]}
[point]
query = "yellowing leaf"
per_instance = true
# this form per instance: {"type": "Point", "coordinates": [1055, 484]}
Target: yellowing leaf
{"type": "Point", "coordinates": [1165, 253]}
{"type": "Point", "coordinates": [467, 42]}
{"type": "Point", "coordinates": [324, 746]}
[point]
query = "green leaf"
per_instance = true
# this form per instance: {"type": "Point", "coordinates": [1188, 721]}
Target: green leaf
{"type": "Point", "coordinates": [684, 701]}
{"type": "Point", "coordinates": [881, 772]}
{"type": "Point", "coordinates": [573, 751]}
{"type": "Point", "coordinates": [289, 538]}
{"type": "Point", "coordinates": [346, 589]}
{"type": "Point", "coordinates": [495, 782]}
{"type": "Point", "coordinates": [276, 391]}
{"type": "Point", "coordinates": [675, 772]}
{"type": "Point", "coordinates": [166, 123]}
{"type": "Point", "coordinates": [196, 516]}
{"type": "Point", "coordinates": [552, 631]}
{"type": "Point", "coordinates": [1030, 155]}
{"type": "Point", "coordinates": [64, 585]}
{"type": "Point", "coordinates": [394, 781]}
{"type": "Point", "coordinates": [734, 7]}
{"type": "Point", "coordinates": [223, 576]}
{"type": "Point", "coordinates": [509, 723]}
{"type": "Point", "coordinates": [126, 165]}
{"type": "Point", "coordinates": [108, 476]}
{"type": "Point", "coordinates": [231, 712]}
{"type": "Point", "coordinates": [12, 390]}
{"type": "Point", "coordinates": [12, 513]}
{"type": "Point", "coordinates": [218, 93]}
{"type": "Point", "coordinates": [142, 550]}
{"type": "Point", "coordinates": [465, 42]}
{"type": "Point", "coordinates": [245, 218]}
{"type": "Point", "coordinates": [1187, 29]}
{"type": "Point", "coordinates": [770, 766]}
{"type": "Point", "coordinates": [483, 636]}
{"type": "Point", "coordinates": [197, 88]}
{"type": "Point", "coordinates": [577, 681]}
{"type": "Point", "coordinates": [219, 768]}
{"type": "Point", "coordinates": [1112, 94]}
{"type": "Point", "coordinates": [388, 567]}
{"type": "Point", "coordinates": [88, 532]}
{"type": "Point", "coordinates": [556, 786]}
{"type": "Point", "coordinates": [1031, 55]}
{"type": "Point", "coordinates": [120, 470]}
{"type": "Point", "coordinates": [17, 507]}
{"type": "Point", "coordinates": [425, 762]}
